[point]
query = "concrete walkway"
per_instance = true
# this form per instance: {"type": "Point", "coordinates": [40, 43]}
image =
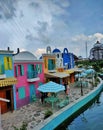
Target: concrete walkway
{"type": "Point", "coordinates": [33, 114]}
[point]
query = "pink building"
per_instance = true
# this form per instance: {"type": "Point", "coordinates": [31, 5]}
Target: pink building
{"type": "Point", "coordinates": [30, 74]}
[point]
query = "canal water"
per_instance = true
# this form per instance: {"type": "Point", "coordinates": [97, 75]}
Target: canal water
{"type": "Point", "coordinates": [91, 118]}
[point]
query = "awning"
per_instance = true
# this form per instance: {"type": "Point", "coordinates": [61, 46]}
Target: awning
{"type": "Point", "coordinates": [57, 75]}
{"type": "Point", "coordinates": [8, 81]}
{"type": "Point", "coordinates": [70, 71]}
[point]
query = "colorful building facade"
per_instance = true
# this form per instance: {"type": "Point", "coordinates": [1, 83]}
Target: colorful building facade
{"type": "Point", "coordinates": [30, 74]}
{"type": "Point", "coordinates": [7, 80]}
{"type": "Point", "coordinates": [96, 53]}
{"type": "Point", "coordinates": [53, 65]}
{"type": "Point", "coordinates": [59, 58]}
{"type": "Point", "coordinates": [65, 63]}
{"type": "Point", "coordinates": [49, 61]}
{"type": "Point", "coordinates": [68, 59]}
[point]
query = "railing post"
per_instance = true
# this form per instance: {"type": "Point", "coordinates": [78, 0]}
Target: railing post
{"type": "Point", "coordinates": [81, 89]}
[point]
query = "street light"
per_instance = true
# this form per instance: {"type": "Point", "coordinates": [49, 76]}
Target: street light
{"type": "Point", "coordinates": [81, 88]}
{"type": "Point", "coordinates": [80, 84]}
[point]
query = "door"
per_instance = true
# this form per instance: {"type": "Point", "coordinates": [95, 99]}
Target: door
{"type": "Point", "coordinates": [8, 96]}
{"type": "Point", "coordinates": [3, 104]}
{"type": "Point", "coordinates": [32, 91]}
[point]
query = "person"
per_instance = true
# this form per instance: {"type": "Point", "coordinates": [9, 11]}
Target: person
{"type": "Point", "coordinates": [65, 84]}
{"type": "Point", "coordinates": [68, 90]}
{"type": "Point", "coordinates": [49, 94]}
{"type": "Point", "coordinates": [42, 98]}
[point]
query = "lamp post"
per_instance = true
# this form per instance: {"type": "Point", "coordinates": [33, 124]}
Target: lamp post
{"type": "Point", "coordinates": [81, 88]}
{"type": "Point", "coordinates": [92, 80]}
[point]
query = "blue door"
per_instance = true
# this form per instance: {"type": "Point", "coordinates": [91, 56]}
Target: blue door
{"type": "Point", "coordinates": [32, 91]}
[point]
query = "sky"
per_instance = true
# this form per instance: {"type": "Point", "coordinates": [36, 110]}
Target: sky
{"type": "Point", "coordinates": [32, 25]}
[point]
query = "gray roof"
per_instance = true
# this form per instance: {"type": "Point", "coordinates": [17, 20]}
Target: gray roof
{"type": "Point", "coordinates": [98, 44]}
{"type": "Point", "coordinates": [24, 56]}
{"type": "Point", "coordinates": [6, 52]}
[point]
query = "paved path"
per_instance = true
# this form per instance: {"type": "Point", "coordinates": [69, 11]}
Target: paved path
{"type": "Point", "coordinates": [33, 113]}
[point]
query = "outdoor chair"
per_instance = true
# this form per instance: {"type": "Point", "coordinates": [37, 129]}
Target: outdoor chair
{"type": "Point", "coordinates": [34, 98]}
{"type": "Point", "coordinates": [76, 84]}
{"type": "Point", "coordinates": [85, 84]}
{"type": "Point", "coordinates": [63, 102]}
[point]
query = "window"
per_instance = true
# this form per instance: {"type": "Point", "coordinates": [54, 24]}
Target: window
{"type": "Point", "coordinates": [1, 68]}
{"type": "Point", "coordinates": [19, 70]}
{"type": "Point", "coordinates": [57, 55]}
{"type": "Point", "coordinates": [39, 68]}
{"type": "Point", "coordinates": [51, 64]}
{"type": "Point", "coordinates": [8, 63]}
{"type": "Point", "coordinates": [21, 92]}
{"type": "Point", "coordinates": [32, 71]}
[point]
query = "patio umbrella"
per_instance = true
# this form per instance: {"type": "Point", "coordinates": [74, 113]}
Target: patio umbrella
{"type": "Point", "coordinates": [81, 75]}
{"type": "Point", "coordinates": [89, 71]}
{"type": "Point", "coordinates": [51, 87]}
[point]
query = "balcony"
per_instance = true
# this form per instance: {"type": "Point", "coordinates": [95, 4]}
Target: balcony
{"type": "Point", "coordinates": [32, 76]}
{"type": "Point", "coordinates": [52, 71]}
{"type": "Point", "coordinates": [2, 72]}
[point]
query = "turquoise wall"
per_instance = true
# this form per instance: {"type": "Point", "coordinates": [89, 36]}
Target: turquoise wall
{"type": "Point", "coordinates": [9, 73]}
{"type": "Point", "coordinates": [14, 93]}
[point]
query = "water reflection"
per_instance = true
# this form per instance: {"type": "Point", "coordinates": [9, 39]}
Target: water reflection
{"type": "Point", "coordinates": [83, 117]}
{"type": "Point", "coordinates": [91, 118]}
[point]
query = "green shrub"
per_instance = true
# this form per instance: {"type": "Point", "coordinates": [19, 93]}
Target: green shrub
{"type": "Point", "coordinates": [48, 113]}
{"type": "Point", "coordinates": [23, 127]}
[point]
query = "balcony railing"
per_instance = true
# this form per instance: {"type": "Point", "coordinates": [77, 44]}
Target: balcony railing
{"type": "Point", "coordinates": [32, 76]}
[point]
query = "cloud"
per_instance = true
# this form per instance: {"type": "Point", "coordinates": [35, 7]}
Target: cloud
{"type": "Point", "coordinates": [79, 42]}
{"type": "Point", "coordinates": [40, 51]}
{"type": "Point", "coordinates": [33, 25]}
{"type": "Point", "coordinates": [99, 36]}
{"type": "Point", "coordinates": [7, 9]}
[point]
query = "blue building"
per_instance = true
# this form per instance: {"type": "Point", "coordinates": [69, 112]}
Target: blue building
{"type": "Point", "coordinates": [68, 59]}
{"type": "Point", "coordinates": [7, 80]}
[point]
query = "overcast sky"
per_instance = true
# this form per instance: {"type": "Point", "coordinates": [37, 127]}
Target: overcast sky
{"type": "Point", "coordinates": [35, 24]}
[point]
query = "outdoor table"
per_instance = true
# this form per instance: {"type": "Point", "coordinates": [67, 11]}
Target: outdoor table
{"type": "Point", "coordinates": [51, 99]}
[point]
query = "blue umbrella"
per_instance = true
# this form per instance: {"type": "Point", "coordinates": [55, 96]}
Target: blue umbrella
{"type": "Point", "coordinates": [81, 75]}
{"type": "Point", "coordinates": [51, 87]}
{"type": "Point", "coordinates": [89, 71]}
